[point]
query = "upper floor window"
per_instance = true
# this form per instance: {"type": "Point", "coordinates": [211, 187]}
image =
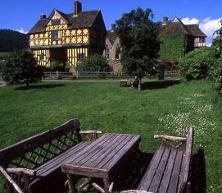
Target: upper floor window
{"type": "Point", "coordinates": [55, 35]}
{"type": "Point", "coordinates": [55, 21]}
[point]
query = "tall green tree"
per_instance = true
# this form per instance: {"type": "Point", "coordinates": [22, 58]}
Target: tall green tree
{"type": "Point", "coordinates": [20, 68]}
{"type": "Point", "coordinates": [217, 45]}
{"type": "Point", "coordinates": [139, 39]}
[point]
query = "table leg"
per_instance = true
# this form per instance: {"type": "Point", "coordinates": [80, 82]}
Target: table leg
{"type": "Point", "coordinates": [106, 185]}
{"type": "Point", "coordinates": [71, 184]}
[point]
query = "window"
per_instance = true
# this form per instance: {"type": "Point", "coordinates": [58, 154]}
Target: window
{"type": "Point", "coordinates": [117, 55]}
{"type": "Point", "coordinates": [55, 35]}
{"type": "Point", "coordinates": [55, 21]}
{"type": "Point", "coordinates": [41, 57]}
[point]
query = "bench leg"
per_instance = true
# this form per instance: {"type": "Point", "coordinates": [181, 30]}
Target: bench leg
{"type": "Point", "coordinates": [71, 184]}
{"type": "Point", "coordinates": [106, 185]}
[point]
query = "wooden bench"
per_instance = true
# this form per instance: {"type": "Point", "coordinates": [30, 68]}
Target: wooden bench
{"type": "Point", "coordinates": [33, 165]}
{"type": "Point", "coordinates": [168, 171]}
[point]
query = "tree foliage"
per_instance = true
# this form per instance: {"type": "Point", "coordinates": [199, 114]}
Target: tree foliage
{"type": "Point", "coordinates": [21, 68]}
{"type": "Point", "coordinates": [138, 34]}
{"type": "Point", "coordinates": [12, 40]}
{"type": "Point", "coordinates": [199, 64]}
{"type": "Point", "coordinates": [172, 47]}
{"type": "Point", "coordinates": [93, 63]}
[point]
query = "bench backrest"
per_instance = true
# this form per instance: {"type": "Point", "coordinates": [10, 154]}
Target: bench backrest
{"type": "Point", "coordinates": [37, 150]}
{"type": "Point", "coordinates": [184, 175]}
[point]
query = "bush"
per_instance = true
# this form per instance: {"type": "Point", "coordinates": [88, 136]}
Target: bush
{"type": "Point", "coordinates": [199, 64]}
{"type": "Point", "coordinates": [57, 66]}
{"type": "Point", "coordinates": [94, 63]}
{"type": "Point", "coordinates": [20, 68]}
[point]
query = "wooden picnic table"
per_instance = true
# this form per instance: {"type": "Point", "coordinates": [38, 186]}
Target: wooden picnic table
{"type": "Point", "coordinates": [99, 159]}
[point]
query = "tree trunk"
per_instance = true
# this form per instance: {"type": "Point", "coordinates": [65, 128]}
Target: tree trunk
{"type": "Point", "coordinates": [27, 83]}
{"type": "Point", "coordinates": [139, 84]}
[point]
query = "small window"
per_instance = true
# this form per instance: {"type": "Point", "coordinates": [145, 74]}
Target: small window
{"type": "Point", "coordinates": [117, 55]}
{"type": "Point", "coordinates": [55, 35]}
{"type": "Point", "coordinates": [55, 21]}
{"type": "Point", "coordinates": [41, 57]}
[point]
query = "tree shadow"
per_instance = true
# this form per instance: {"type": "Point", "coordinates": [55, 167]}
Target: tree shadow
{"type": "Point", "coordinates": [129, 174]}
{"type": "Point", "coordinates": [198, 172]}
{"type": "Point", "coordinates": [39, 86]}
{"type": "Point", "coordinates": [158, 84]}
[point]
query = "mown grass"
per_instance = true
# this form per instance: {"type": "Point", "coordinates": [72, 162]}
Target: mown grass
{"type": "Point", "coordinates": [106, 106]}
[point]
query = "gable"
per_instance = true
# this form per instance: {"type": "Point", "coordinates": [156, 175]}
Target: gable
{"type": "Point", "coordinates": [56, 19]}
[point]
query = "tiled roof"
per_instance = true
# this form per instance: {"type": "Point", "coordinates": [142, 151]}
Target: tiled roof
{"type": "Point", "coordinates": [178, 27]}
{"type": "Point", "coordinates": [83, 20]}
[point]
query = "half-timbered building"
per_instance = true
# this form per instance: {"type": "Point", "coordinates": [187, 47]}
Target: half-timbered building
{"type": "Point", "coordinates": [67, 38]}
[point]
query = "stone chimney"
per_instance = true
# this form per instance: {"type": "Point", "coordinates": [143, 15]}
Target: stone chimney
{"type": "Point", "coordinates": [42, 16]}
{"type": "Point", "coordinates": [77, 7]}
{"type": "Point", "coordinates": [165, 20]}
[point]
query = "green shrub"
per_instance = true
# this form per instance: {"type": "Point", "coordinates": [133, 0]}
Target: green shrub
{"type": "Point", "coordinates": [199, 64]}
{"type": "Point", "coordinates": [94, 63]}
{"type": "Point", "coordinates": [57, 66]}
{"type": "Point", "coordinates": [21, 68]}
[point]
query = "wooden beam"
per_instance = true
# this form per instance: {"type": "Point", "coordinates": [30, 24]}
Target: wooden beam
{"type": "Point", "coordinates": [10, 180]}
{"type": "Point", "coordinates": [21, 171]}
{"type": "Point", "coordinates": [135, 191]}
{"type": "Point", "coordinates": [91, 132]}
{"type": "Point", "coordinates": [97, 187]}
{"type": "Point", "coordinates": [170, 138]}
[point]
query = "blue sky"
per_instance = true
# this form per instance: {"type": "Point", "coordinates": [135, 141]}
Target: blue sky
{"type": "Point", "coordinates": [22, 14]}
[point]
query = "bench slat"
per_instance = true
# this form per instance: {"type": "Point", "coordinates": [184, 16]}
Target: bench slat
{"type": "Point", "coordinates": [36, 141]}
{"type": "Point", "coordinates": [159, 172]}
{"type": "Point", "coordinates": [168, 171]}
{"type": "Point", "coordinates": [176, 171]}
{"type": "Point", "coordinates": [145, 184]}
{"type": "Point", "coordinates": [56, 162]}
{"type": "Point", "coordinates": [186, 162]}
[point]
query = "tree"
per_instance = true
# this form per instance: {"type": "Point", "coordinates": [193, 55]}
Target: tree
{"type": "Point", "coordinates": [20, 67]}
{"type": "Point", "coordinates": [139, 39]}
{"type": "Point", "coordinates": [198, 64]}
{"type": "Point", "coordinates": [93, 63]}
{"type": "Point", "coordinates": [217, 45]}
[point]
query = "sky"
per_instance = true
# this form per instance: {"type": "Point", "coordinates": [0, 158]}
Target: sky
{"type": "Point", "coordinates": [21, 15]}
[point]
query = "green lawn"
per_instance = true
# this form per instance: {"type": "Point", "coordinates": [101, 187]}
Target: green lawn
{"type": "Point", "coordinates": [106, 106]}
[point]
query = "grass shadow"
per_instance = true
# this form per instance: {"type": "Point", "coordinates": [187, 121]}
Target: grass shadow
{"type": "Point", "coordinates": [159, 84]}
{"type": "Point", "coordinates": [39, 86]}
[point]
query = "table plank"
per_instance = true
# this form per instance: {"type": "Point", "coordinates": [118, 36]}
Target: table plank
{"type": "Point", "coordinates": [97, 159]}
{"type": "Point", "coordinates": [109, 147]}
{"type": "Point", "coordinates": [120, 154]}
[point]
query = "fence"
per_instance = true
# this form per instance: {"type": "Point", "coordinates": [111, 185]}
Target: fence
{"type": "Point", "coordinates": [97, 75]}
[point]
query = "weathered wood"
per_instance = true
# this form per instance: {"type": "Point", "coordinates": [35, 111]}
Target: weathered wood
{"type": "Point", "coordinates": [36, 141]}
{"type": "Point", "coordinates": [21, 171]}
{"type": "Point", "coordinates": [41, 155]}
{"type": "Point", "coordinates": [71, 184]}
{"type": "Point", "coordinates": [10, 180]}
{"type": "Point", "coordinates": [186, 161]}
{"type": "Point", "coordinates": [170, 138]}
{"type": "Point", "coordinates": [150, 172]}
{"type": "Point", "coordinates": [135, 191]}
{"type": "Point", "coordinates": [91, 134]}
{"type": "Point", "coordinates": [156, 181]}
{"type": "Point", "coordinates": [168, 171]}
{"type": "Point", "coordinates": [97, 187]}
{"type": "Point", "coordinates": [101, 157]}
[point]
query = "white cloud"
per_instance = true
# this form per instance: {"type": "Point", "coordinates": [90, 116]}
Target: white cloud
{"type": "Point", "coordinates": [21, 30]}
{"type": "Point", "coordinates": [207, 25]}
{"type": "Point", "coordinates": [188, 20]}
